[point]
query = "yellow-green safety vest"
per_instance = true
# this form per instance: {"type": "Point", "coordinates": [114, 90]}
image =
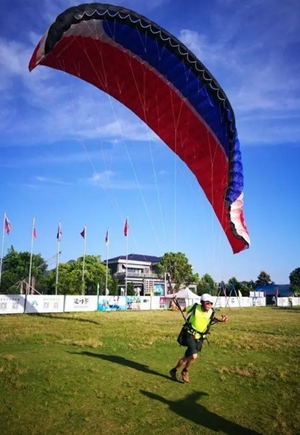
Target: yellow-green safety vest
{"type": "Point", "coordinates": [200, 319]}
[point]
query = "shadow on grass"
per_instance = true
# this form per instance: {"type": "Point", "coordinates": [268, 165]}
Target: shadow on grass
{"type": "Point", "coordinates": [198, 414]}
{"type": "Point", "coordinates": [73, 319]}
{"type": "Point", "coordinates": [116, 359]}
{"type": "Point", "coordinates": [288, 309]}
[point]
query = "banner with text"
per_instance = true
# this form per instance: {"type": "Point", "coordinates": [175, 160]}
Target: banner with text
{"type": "Point", "coordinates": [44, 304]}
{"type": "Point", "coordinates": [80, 303]}
{"type": "Point", "coordinates": [12, 304]}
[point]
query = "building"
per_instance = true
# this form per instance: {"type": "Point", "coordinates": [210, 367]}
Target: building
{"type": "Point", "coordinates": [280, 290]}
{"type": "Point", "coordinates": [141, 270]}
{"type": "Point", "coordinates": [274, 290]}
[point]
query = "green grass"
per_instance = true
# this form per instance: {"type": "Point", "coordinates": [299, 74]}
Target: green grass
{"type": "Point", "coordinates": [107, 373]}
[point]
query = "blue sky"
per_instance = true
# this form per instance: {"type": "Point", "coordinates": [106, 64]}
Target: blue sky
{"type": "Point", "coordinates": [71, 153]}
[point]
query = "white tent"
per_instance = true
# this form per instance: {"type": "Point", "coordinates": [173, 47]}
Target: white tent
{"type": "Point", "coordinates": [185, 293]}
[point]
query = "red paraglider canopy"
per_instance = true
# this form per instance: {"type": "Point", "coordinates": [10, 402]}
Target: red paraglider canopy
{"type": "Point", "coordinates": [161, 81]}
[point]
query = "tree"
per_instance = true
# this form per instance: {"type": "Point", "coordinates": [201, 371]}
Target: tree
{"type": "Point", "coordinates": [243, 287]}
{"type": "Point", "coordinates": [130, 289]}
{"type": "Point", "coordinates": [177, 267]}
{"type": "Point", "coordinates": [16, 269]}
{"type": "Point", "coordinates": [113, 287]}
{"type": "Point", "coordinates": [206, 285]}
{"type": "Point", "coordinates": [295, 281]}
{"type": "Point", "coordinates": [246, 287]}
{"type": "Point", "coordinates": [263, 279]}
{"type": "Point", "coordinates": [70, 276]}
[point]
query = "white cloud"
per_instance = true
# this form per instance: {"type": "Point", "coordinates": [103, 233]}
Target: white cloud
{"type": "Point", "coordinates": [46, 106]}
{"type": "Point", "coordinates": [53, 181]}
{"type": "Point", "coordinates": [13, 65]}
{"type": "Point", "coordinates": [262, 89]}
{"type": "Point", "coordinates": [111, 180]}
{"type": "Point", "coordinates": [58, 107]}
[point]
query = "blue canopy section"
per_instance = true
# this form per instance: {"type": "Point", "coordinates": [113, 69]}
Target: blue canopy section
{"type": "Point", "coordinates": [186, 73]}
{"type": "Point", "coordinates": [177, 72]}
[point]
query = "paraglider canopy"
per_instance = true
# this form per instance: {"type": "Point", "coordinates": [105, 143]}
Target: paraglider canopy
{"type": "Point", "coordinates": [152, 73]}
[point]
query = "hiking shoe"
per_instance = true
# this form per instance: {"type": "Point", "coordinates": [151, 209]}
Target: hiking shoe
{"type": "Point", "coordinates": [185, 376]}
{"type": "Point", "coordinates": [173, 374]}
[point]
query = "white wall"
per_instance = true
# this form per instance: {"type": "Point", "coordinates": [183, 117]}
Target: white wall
{"type": "Point", "coordinates": [30, 304]}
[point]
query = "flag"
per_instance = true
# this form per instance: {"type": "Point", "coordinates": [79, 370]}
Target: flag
{"type": "Point", "coordinates": [7, 225]}
{"type": "Point", "coordinates": [126, 228]}
{"type": "Point", "coordinates": [83, 233]}
{"type": "Point", "coordinates": [34, 233]}
{"type": "Point", "coordinates": [107, 237]}
{"type": "Point", "coordinates": [59, 232]}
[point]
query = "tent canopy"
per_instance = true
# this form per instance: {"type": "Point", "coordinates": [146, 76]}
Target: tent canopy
{"type": "Point", "coordinates": [185, 293]}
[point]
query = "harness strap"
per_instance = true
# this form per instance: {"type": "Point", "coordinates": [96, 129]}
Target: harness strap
{"type": "Point", "coordinates": [192, 330]}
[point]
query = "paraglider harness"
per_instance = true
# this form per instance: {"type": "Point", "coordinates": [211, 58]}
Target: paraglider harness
{"type": "Point", "coordinates": [187, 328]}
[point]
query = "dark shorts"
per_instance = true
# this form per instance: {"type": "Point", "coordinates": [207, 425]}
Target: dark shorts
{"type": "Point", "coordinates": [193, 346]}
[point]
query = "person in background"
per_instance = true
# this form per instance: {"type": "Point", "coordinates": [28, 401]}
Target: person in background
{"type": "Point", "coordinates": [172, 304]}
{"type": "Point", "coordinates": [200, 321]}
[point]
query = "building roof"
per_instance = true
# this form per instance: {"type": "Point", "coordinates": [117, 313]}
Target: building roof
{"type": "Point", "coordinates": [272, 289]}
{"type": "Point", "coordinates": [136, 257]}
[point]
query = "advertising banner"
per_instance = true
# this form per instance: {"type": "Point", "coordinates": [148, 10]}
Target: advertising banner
{"type": "Point", "coordinates": [80, 303]}
{"type": "Point", "coordinates": [44, 304]}
{"type": "Point", "coordinates": [133, 302]}
{"type": "Point", "coordinates": [159, 289]}
{"type": "Point", "coordinates": [138, 303]}
{"type": "Point", "coordinates": [112, 303]}
{"type": "Point", "coordinates": [12, 304]}
{"type": "Point", "coordinates": [258, 302]}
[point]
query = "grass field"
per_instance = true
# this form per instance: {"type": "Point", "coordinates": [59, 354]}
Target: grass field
{"type": "Point", "coordinates": [107, 373]}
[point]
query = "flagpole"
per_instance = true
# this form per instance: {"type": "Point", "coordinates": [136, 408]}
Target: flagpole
{"type": "Point", "coordinates": [107, 248]}
{"type": "Point", "coordinates": [83, 259]}
{"type": "Point", "coordinates": [2, 248]}
{"type": "Point", "coordinates": [127, 225]}
{"type": "Point", "coordinates": [31, 250]}
{"type": "Point", "coordinates": [57, 255]}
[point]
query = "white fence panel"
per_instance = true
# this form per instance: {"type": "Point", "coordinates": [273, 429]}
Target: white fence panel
{"type": "Point", "coordinates": [12, 304]}
{"type": "Point", "coordinates": [19, 304]}
{"type": "Point", "coordinates": [157, 302]}
{"type": "Point", "coordinates": [246, 301]}
{"type": "Point", "coordinates": [283, 302]}
{"type": "Point", "coordinates": [44, 304]}
{"type": "Point", "coordinates": [81, 303]}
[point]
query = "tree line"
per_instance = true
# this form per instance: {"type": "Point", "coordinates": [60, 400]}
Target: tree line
{"type": "Point", "coordinates": [175, 266]}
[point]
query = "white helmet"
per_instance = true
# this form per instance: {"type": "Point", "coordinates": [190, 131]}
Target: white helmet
{"type": "Point", "coordinates": [206, 297]}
